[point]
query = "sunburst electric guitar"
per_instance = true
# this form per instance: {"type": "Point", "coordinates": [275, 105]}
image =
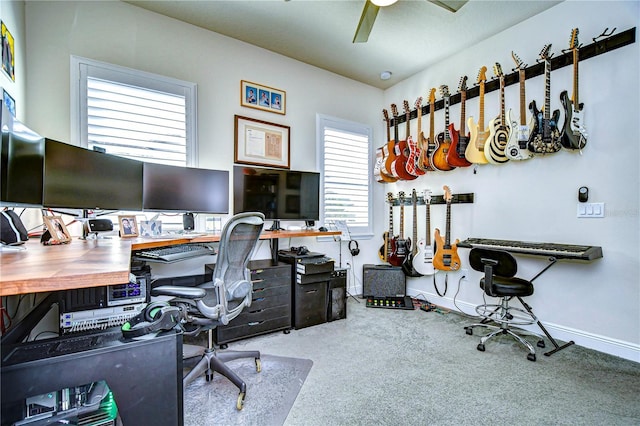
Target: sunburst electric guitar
{"type": "Point", "coordinates": [408, 265]}
{"type": "Point", "coordinates": [446, 257]}
{"type": "Point", "coordinates": [459, 139]}
{"type": "Point", "coordinates": [475, 149]}
{"type": "Point", "coordinates": [574, 134]}
{"type": "Point", "coordinates": [423, 261]}
{"type": "Point", "coordinates": [430, 144]}
{"type": "Point", "coordinates": [399, 165]}
{"type": "Point", "coordinates": [545, 136]}
{"type": "Point", "coordinates": [400, 246]}
{"type": "Point", "coordinates": [499, 128]}
{"type": "Point", "coordinates": [423, 160]}
{"type": "Point", "coordinates": [517, 144]}
{"type": "Point", "coordinates": [439, 158]}
{"type": "Point", "coordinates": [390, 152]}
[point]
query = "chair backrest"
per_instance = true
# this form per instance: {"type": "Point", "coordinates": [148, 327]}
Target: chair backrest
{"type": "Point", "coordinates": [502, 263]}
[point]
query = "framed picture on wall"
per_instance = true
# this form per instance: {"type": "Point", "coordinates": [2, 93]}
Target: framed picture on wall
{"type": "Point", "coordinates": [261, 143]}
{"type": "Point", "coordinates": [128, 226]}
{"type": "Point", "coordinates": [266, 98]}
{"type": "Point", "coordinates": [56, 227]}
{"type": "Point", "coordinates": [8, 52]}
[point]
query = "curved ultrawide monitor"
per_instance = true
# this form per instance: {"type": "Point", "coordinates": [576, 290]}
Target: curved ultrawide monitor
{"type": "Point", "coordinates": [21, 168]}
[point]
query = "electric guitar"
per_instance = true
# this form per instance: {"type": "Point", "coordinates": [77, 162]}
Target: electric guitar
{"type": "Point", "coordinates": [415, 147]}
{"type": "Point", "coordinates": [399, 246]}
{"type": "Point", "coordinates": [431, 145]}
{"type": "Point", "coordinates": [446, 257]}
{"type": "Point", "coordinates": [407, 266]}
{"type": "Point", "coordinates": [385, 249]}
{"type": "Point", "coordinates": [459, 139]}
{"type": "Point", "coordinates": [381, 155]}
{"type": "Point", "coordinates": [423, 160]}
{"type": "Point", "coordinates": [399, 165]}
{"type": "Point", "coordinates": [545, 136]}
{"type": "Point", "coordinates": [475, 149]}
{"type": "Point", "coordinates": [439, 157]}
{"type": "Point", "coordinates": [391, 147]}
{"type": "Point", "coordinates": [574, 134]}
{"type": "Point", "coordinates": [499, 128]}
{"type": "Point", "coordinates": [423, 261]}
{"type": "Point", "coordinates": [519, 137]}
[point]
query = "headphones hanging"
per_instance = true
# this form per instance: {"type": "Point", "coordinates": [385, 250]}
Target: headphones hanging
{"type": "Point", "coordinates": [354, 250]}
{"type": "Point", "coordinates": [157, 316]}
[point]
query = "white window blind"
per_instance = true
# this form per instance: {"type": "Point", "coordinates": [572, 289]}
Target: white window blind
{"type": "Point", "coordinates": [345, 168]}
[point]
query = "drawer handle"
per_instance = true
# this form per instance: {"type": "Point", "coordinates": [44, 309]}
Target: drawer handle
{"type": "Point", "coordinates": [258, 299]}
{"type": "Point", "coordinates": [256, 311]}
{"type": "Point", "coordinates": [257, 281]}
{"type": "Point", "coordinates": [312, 291]}
{"type": "Point", "coordinates": [252, 323]}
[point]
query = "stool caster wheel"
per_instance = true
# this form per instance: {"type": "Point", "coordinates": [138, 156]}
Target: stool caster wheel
{"type": "Point", "coordinates": [480, 347]}
{"type": "Point", "coordinates": [240, 402]}
{"type": "Point", "coordinates": [531, 357]}
{"type": "Point", "coordinates": [258, 365]}
{"type": "Point", "coordinates": [469, 331]}
{"type": "Point", "coordinates": [540, 343]}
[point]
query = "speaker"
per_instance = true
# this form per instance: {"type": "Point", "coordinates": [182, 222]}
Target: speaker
{"type": "Point", "coordinates": [337, 297]}
{"type": "Point", "coordinates": [383, 281]}
{"type": "Point", "coordinates": [98, 225]}
{"type": "Point", "coordinates": [354, 250]}
{"type": "Point", "coordinates": [187, 222]}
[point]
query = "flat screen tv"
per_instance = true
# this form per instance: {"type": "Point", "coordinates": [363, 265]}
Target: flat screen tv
{"type": "Point", "coordinates": [185, 189]}
{"type": "Point", "coordinates": [279, 194]}
{"type": "Point", "coordinates": [21, 167]}
{"type": "Point", "coordinates": [79, 178]}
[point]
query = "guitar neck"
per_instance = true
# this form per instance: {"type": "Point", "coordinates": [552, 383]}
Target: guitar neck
{"type": "Point", "coordinates": [428, 224]}
{"type": "Point", "coordinates": [463, 111]}
{"type": "Point", "coordinates": [481, 120]}
{"type": "Point", "coordinates": [523, 111]}
{"type": "Point", "coordinates": [574, 98]}
{"type": "Point", "coordinates": [447, 238]}
{"type": "Point", "coordinates": [415, 227]}
{"type": "Point", "coordinates": [446, 118]}
{"type": "Point", "coordinates": [502, 122]}
{"type": "Point", "coordinates": [390, 235]}
{"type": "Point", "coordinates": [432, 107]}
{"type": "Point", "coordinates": [401, 220]}
{"type": "Point", "coordinates": [547, 89]}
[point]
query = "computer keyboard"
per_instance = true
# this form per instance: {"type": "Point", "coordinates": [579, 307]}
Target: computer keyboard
{"type": "Point", "coordinates": [176, 253]}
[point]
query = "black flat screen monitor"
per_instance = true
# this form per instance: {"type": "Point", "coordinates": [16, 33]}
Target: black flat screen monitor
{"type": "Point", "coordinates": [21, 168]}
{"type": "Point", "coordinates": [279, 194]}
{"type": "Point", "coordinates": [185, 189]}
{"type": "Point", "coordinates": [79, 178]}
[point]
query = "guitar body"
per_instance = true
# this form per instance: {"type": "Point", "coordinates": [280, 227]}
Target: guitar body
{"type": "Point", "coordinates": [399, 165]}
{"type": "Point", "coordinates": [439, 157]}
{"type": "Point", "coordinates": [413, 158]}
{"type": "Point", "coordinates": [455, 155]}
{"type": "Point", "coordinates": [408, 266]}
{"type": "Point", "coordinates": [423, 261]}
{"type": "Point", "coordinates": [423, 160]}
{"type": "Point", "coordinates": [399, 251]}
{"type": "Point", "coordinates": [446, 256]}
{"type": "Point", "coordinates": [475, 149]}
{"type": "Point", "coordinates": [499, 134]}
{"type": "Point", "coordinates": [545, 136]}
{"type": "Point", "coordinates": [574, 134]}
{"type": "Point", "coordinates": [382, 251]}
{"type": "Point", "coordinates": [377, 171]}
{"type": "Point", "coordinates": [390, 157]}
{"type": "Point", "coordinates": [516, 148]}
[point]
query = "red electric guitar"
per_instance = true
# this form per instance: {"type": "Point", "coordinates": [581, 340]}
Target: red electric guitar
{"type": "Point", "coordinates": [459, 139]}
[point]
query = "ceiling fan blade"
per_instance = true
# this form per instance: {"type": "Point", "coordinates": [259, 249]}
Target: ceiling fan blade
{"type": "Point", "coordinates": [365, 25]}
{"type": "Point", "coordinates": [450, 5]}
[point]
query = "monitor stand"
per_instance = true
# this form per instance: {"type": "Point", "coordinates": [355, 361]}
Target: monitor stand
{"type": "Point", "coordinates": [275, 226]}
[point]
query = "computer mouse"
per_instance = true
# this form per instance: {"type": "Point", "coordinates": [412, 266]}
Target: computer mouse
{"type": "Point", "coordinates": [322, 229]}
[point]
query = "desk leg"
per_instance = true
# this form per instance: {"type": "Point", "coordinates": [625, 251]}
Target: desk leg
{"type": "Point", "coordinates": [551, 339]}
{"type": "Point", "coordinates": [273, 244]}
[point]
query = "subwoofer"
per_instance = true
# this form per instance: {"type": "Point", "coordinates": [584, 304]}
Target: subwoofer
{"type": "Point", "coordinates": [383, 281]}
{"type": "Point", "coordinates": [337, 298]}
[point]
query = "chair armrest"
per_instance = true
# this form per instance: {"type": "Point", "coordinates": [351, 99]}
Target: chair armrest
{"type": "Point", "coordinates": [178, 291]}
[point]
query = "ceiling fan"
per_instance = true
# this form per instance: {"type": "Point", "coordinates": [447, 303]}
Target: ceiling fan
{"type": "Point", "coordinates": [371, 8]}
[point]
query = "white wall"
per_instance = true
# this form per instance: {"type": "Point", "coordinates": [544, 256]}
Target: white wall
{"type": "Point", "coordinates": [596, 304]}
{"type": "Point", "coordinates": [12, 15]}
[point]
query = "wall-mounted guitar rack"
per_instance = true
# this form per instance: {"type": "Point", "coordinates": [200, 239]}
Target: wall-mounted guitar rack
{"type": "Point", "coordinates": [435, 199]}
{"type": "Point", "coordinates": [598, 47]}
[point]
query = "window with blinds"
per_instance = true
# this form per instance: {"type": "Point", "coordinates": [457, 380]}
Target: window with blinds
{"type": "Point", "coordinates": [345, 164]}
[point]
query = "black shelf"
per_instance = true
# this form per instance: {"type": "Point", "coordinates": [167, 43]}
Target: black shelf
{"type": "Point", "coordinates": [466, 198]}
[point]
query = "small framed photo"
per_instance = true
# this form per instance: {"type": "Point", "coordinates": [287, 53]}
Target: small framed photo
{"type": "Point", "coordinates": [128, 226]}
{"type": "Point", "coordinates": [261, 143]}
{"type": "Point", "coordinates": [58, 230]}
{"type": "Point", "coordinates": [266, 98]}
{"type": "Point", "coordinates": [8, 52]}
{"type": "Point", "coordinates": [9, 102]}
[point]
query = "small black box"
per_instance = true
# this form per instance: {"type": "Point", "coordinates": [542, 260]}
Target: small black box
{"type": "Point", "coordinates": [312, 278]}
{"type": "Point", "coordinates": [383, 281]}
{"type": "Point", "coordinates": [314, 265]}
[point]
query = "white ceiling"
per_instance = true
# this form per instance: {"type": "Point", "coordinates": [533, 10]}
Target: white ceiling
{"type": "Point", "coordinates": [407, 37]}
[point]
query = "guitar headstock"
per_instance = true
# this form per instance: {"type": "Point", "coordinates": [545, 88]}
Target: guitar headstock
{"type": "Point", "coordinates": [401, 197]}
{"type": "Point", "coordinates": [447, 194]}
{"type": "Point", "coordinates": [497, 70]}
{"type": "Point", "coordinates": [573, 42]}
{"type": "Point", "coordinates": [432, 97]}
{"type": "Point", "coordinates": [462, 87]}
{"type": "Point", "coordinates": [386, 116]}
{"type": "Point", "coordinates": [426, 194]}
{"type": "Point", "coordinates": [482, 75]}
{"type": "Point", "coordinates": [444, 91]}
{"type": "Point", "coordinates": [518, 61]}
{"type": "Point", "coordinates": [407, 109]}
{"type": "Point", "coordinates": [544, 53]}
{"type": "Point", "coordinates": [419, 103]}
{"type": "Point", "coordinates": [414, 196]}
{"type": "Point", "coordinates": [394, 110]}
{"type": "Point", "coordinates": [390, 197]}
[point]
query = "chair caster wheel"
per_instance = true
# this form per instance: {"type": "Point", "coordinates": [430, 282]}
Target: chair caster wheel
{"type": "Point", "coordinates": [209, 377]}
{"type": "Point", "coordinates": [469, 331]}
{"type": "Point", "coordinates": [287, 331]}
{"type": "Point", "coordinates": [224, 346]}
{"type": "Point", "coordinates": [258, 365]}
{"type": "Point", "coordinates": [540, 343]}
{"type": "Point", "coordinates": [480, 347]}
{"type": "Point", "coordinates": [240, 402]}
{"type": "Point", "coordinates": [531, 357]}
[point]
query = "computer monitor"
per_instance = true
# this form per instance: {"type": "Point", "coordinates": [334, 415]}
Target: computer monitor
{"type": "Point", "coordinates": [21, 167]}
{"type": "Point", "coordinates": [79, 178]}
{"type": "Point", "coordinates": [185, 189]}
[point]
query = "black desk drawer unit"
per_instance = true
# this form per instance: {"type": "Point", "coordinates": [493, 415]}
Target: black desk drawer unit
{"type": "Point", "coordinates": [270, 308]}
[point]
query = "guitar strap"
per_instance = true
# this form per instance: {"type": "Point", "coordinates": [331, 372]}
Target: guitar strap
{"type": "Point", "coordinates": [435, 284]}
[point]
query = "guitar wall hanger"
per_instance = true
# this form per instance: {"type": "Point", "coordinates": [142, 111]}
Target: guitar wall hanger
{"type": "Point", "coordinates": [605, 42]}
{"type": "Point", "coordinates": [466, 198]}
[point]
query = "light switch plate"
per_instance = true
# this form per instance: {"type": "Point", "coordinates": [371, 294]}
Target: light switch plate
{"type": "Point", "coordinates": [590, 210]}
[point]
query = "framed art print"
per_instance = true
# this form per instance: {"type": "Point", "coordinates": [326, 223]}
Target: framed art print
{"type": "Point", "coordinates": [253, 95]}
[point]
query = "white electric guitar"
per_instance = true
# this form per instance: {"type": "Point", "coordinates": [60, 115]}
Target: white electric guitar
{"type": "Point", "coordinates": [423, 260]}
{"type": "Point", "coordinates": [517, 145]}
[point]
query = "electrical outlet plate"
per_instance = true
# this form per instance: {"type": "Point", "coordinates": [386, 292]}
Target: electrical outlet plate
{"type": "Point", "coordinates": [590, 210]}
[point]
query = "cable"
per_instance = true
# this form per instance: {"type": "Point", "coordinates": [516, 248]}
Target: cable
{"type": "Point", "coordinates": [458, 307]}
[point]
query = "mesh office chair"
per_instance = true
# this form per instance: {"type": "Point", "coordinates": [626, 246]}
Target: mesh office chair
{"type": "Point", "coordinates": [217, 302]}
{"type": "Point", "coordinates": [499, 280]}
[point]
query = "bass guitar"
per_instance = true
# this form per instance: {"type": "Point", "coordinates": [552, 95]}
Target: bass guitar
{"type": "Point", "coordinates": [385, 248]}
{"type": "Point", "coordinates": [499, 128]}
{"type": "Point", "coordinates": [400, 246]}
{"type": "Point", "coordinates": [545, 136]}
{"type": "Point", "coordinates": [459, 139]}
{"type": "Point", "coordinates": [439, 158]}
{"type": "Point", "coordinates": [574, 134]}
{"type": "Point", "coordinates": [517, 144]}
{"type": "Point", "coordinates": [399, 165]}
{"type": "Point", "coordinates": [446, 257]}
{"type": "Point", "coordinates": [423, 261]}
{"type": "Point", "coordinates": [475, 149]}
{"type": "Point", "coordinates": [414, 147]}
{"type": "Point", "coordinates": [381, 155]}
{"type": "Point", "coordinates": [390, 153]}
{"type": "Point", "coordinates": [408, 265]}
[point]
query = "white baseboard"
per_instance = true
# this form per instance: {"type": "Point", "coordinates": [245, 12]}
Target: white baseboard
{"type": "Point", "coordinates": [608, 345]}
